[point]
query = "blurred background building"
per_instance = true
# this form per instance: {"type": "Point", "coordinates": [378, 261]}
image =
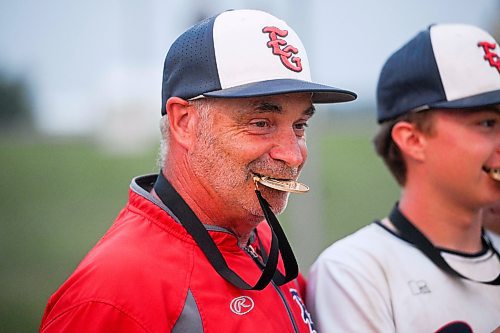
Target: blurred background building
{"type": "Point", "coordinates": [80, 85]}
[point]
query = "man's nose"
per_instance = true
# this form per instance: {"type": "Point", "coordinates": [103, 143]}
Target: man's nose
{"type": "Point", "coordinates": [289, 148]}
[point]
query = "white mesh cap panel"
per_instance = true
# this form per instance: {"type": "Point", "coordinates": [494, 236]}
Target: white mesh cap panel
{"type": "Point", "coordinates": [464, 70]}
{"type": "Point", "coordinates": [250, 43]}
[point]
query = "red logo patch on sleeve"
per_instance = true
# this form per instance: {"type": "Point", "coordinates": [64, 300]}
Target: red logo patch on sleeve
{"type": "Point", "coordinates": [285, 53]}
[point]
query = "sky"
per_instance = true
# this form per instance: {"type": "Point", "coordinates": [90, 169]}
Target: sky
{"type": "Point", "coordinates": [95, 66]}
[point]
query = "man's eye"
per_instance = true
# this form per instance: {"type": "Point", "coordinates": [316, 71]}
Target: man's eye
{"type": "Point", "coordinates": [261, 123]}
{"type": "Point", "coordinates": [300, 126]}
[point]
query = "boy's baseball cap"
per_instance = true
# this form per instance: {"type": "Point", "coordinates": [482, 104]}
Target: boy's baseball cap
{"type": "Point", "coordinates": [447, 66]}
{"type": "Point", "coordinates": [241, 53]}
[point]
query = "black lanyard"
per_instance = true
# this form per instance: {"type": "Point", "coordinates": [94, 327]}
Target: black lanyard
{"type": "Point", "coordinates": [279, 243]}
{"type": "Point", "coordinates": [411, 234]}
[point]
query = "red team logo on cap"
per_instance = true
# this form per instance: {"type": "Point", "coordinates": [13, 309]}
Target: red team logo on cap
{"type": "Point", "coordinates": [285, 54]}
{"type": "Point", "coordinates": [489, 55]}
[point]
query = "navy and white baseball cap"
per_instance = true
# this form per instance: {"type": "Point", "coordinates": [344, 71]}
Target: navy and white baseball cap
{"type": "Point", "coordinates": [447, 66]}
{"type": "Point", "coordinates": [241, 53]}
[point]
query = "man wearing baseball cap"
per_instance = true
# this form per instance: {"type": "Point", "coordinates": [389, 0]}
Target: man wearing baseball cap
{"type": "Point", "coordinates": [427, 267]}
{"type": "Point", "coordinates": [198, 247]}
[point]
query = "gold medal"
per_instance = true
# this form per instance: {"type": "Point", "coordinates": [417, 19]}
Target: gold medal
{"type": "Point", "coordinates": [281, 185]}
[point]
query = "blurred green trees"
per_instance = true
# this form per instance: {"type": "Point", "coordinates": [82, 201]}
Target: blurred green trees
{"type": "Point", "coordinates": [15, 104]}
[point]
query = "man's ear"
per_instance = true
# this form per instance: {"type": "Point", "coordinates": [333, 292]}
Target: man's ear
{"type": "Point", "coordinates": [182, 118]}
{"type": "Point", "coordinates": [410, 141]}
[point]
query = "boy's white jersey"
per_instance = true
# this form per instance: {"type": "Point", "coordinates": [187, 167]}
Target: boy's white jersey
{"type": "Point", "coordinates": [374, 281]}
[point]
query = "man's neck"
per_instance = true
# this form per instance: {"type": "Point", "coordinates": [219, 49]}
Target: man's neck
{"type": "Point", "coordinates": [445, 225]}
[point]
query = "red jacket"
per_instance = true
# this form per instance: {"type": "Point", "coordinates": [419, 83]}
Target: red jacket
{"type": "Point", "coordinates": [147, 275]}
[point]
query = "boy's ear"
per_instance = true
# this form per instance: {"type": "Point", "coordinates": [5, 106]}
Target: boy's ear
{"type": "Point", "coordinates": [411, 142]}
{"type": "Point", "coordinates": [182, 118]}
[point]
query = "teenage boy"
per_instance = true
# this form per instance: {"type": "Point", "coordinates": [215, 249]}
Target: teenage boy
{"type": "Point", "coordinates": [427, 267]}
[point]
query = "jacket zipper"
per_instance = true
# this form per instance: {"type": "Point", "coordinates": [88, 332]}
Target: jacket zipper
{"type": "Point", "coordinates": [251, 252]}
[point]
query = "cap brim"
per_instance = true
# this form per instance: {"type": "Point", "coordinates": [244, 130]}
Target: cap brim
{"type": "Point", "coordinates": [321, 93]}
{"type": "Point", "coordinates": [486, 99]}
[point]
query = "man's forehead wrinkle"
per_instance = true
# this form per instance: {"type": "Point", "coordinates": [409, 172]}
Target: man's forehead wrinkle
{"type": "Point", "coordinates": [263, 106]}
{"type": "Point", "coordinates": [268, 107]}
{"type": "Point", "coordinates": [277, 108]}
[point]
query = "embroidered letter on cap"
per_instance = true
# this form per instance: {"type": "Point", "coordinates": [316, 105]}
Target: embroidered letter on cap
{"type": "Point", "coordinates": [489, 55]}
{"type": "Point", "coordinates": [285, 53]}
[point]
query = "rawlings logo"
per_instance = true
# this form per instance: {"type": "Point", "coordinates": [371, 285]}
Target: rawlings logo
{"type": "Point", "coordinates": [489, 55]}
{"type": "Point", "coordinates": [306, 317]}
{"type": "Point", "coordinates": [418, 287]}
{"type": "Point", "coordinates": [285, 54]}
{"type": "Point", "coordinates": [241, 305]}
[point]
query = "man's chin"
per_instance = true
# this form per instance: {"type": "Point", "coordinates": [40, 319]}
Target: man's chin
{"type": "Point", "coordinates": [277, 201]}
{"type": "Point", "coordinates": [279, 210]}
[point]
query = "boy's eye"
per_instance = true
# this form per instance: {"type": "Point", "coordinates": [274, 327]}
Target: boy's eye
{"type": "Point", "coordinates": [488, 123]}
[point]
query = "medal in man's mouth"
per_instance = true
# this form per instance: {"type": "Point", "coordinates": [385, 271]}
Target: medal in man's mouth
{"type": "Point", "coordinates": [285, 185]}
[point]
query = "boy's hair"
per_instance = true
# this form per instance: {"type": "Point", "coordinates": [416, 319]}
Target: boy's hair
{"type": "Point", "coordinates": [389, 151]}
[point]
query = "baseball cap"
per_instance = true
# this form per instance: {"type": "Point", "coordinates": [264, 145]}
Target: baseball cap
{"type": "Point", "coordinates": [241, 53]}
{"type": "Point", "coordinates": [447, 66]}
